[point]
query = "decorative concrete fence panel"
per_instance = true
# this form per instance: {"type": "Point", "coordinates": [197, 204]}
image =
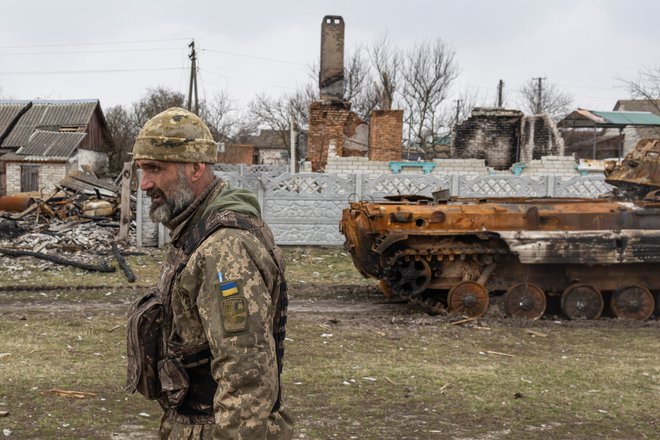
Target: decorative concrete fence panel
{"type": "Point", "coordinates": [305, 208]}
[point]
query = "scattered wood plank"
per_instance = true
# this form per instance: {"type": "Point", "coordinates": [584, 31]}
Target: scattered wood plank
{"type": "Point", "coordinates": [463, 321]}
{"type": "Point", "coordinates": [444, 387]}
{"type": "Point", "coordinates": [113, 328]}
{"type": "Point", "coordinates": [72, 394]}
{"type": "Point", "coordinates": [391, 381]}
{"type": "Point", "coordinates": [58, 260]}
{"type": "Point", "coordinates": [497, 353]}
{"type": "Point", "coordinates": [130, 276]}
{"type": "Point", "coordinates": [536, 333]}
{"type": "Point", "coordinates": [4, 413]}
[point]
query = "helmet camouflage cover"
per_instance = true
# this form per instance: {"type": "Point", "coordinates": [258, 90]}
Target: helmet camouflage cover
{"type": "Point", "coordinates": [175, 135]}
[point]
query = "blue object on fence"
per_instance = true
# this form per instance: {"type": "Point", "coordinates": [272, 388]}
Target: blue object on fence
{"type": "Point", "coordinates": [427, 167]}
{"type": "Point", "coordinates": [518, 168]}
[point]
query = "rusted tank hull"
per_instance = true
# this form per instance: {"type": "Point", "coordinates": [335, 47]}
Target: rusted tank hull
{"type": "Point", "coordinates": [583, 251]}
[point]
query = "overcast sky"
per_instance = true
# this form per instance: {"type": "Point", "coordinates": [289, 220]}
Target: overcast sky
{"type": "Point", "coordinates": [115, 50]}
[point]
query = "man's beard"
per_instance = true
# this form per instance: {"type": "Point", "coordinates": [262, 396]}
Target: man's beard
{"type": "Point", "coordinates": [179, 197]}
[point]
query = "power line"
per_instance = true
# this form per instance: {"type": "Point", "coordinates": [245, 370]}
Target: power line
{"type": "Point", "coordinates": [274, 60]}
{"type": "Point", "coordinates": [74, 72]}
{"type": "Point", "coordinates": [101, 43]}
{"type": "Point", "coordinates": [244, 80]}
{"type": "Point", "coordinates": [70, 52]}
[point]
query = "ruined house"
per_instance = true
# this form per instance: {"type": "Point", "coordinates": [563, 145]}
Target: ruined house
{"type": "Point", "coordinates": [632, 134]}
{"type": "Point", "coordinates": [503, 137]}
{"type": "Point", "coordinates": [593, 134]}
{"type": "Point", "coordinates": [336, 130]}
{"type": "Point", "coordinates": [41, 141]}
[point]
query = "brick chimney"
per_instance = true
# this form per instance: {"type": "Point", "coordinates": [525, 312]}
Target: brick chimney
{"type": "Point", "coordinates": [331, 74]}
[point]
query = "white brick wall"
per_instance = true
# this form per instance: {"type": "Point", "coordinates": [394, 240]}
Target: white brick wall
{"type": "Point", "coordinates": [563, 166]}
{"type": "Point", "coordinates": [49, 176]}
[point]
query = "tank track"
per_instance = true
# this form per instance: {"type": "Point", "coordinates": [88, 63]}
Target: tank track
{"type": "Point", "coordinates": [476, 252]}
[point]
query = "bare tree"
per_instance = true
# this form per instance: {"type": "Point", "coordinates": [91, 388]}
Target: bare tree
{"type": "Point", "coordinates": [155, 101]}
{"type": "Point", "coordinates": [646, 86]}
{"type": "Point", "coordinates": [299, 104]}
{"type": "Point", "coordinates": [427, 73]}
{"type": "Point", "coordinates": [538, 97]}
{"type": "Point", "coordinates": [386, 61]}
{"type": "Point", "coordinates": [124, 131]}
{"type": "Point", "coordinates": [220, 114]}
{"type": "Point", "coordinates": [272, 113]}
{"type": "Point", "coordinates": [360, 84]}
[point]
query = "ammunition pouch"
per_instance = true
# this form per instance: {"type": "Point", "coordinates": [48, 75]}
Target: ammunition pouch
{"type": "Point", "coordinates": [174, 382]}
{"type": "Point", "coordinates": [144, 348]}
{"type": "Point", "coordinates": [186, 381]}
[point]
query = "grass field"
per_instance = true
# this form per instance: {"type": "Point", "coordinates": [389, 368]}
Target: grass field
{"type": "Point", "coordinates": [385, 372]}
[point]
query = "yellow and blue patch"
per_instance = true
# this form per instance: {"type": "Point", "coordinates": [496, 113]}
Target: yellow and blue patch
{"type": "Point", "coordinates": [229, 288]}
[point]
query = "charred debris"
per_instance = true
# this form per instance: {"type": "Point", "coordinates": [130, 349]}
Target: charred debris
{"type": "Point", "coordinates": [85, 223]}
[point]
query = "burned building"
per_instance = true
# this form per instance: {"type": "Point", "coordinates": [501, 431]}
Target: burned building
{"type": "Point", "coordinates": [503, 137]}
{"type": "Point", "coordinates": [333, 128]}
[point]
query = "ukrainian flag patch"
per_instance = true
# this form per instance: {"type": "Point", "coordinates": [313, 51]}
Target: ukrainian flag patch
{"type": "Point", "coordinates": [229, 288]}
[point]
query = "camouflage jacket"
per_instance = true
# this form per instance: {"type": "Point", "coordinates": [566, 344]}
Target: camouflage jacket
{"type": "Point", "coordinates": [225, 298]}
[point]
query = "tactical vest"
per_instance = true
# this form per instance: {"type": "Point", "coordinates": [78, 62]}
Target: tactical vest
{"type": "Point", "coordinates": [179, 376]}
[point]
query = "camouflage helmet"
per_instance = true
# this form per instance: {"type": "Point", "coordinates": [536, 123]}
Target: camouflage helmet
{"type": "Point", "coordinates": [175, 135]}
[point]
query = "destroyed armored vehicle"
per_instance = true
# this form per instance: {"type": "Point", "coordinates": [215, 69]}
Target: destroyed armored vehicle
{"type": "Point", "coordinates": [581, 257]}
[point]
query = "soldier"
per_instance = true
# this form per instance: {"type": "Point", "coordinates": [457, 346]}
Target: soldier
{"type": "Point", "coordinates": [208, 344]}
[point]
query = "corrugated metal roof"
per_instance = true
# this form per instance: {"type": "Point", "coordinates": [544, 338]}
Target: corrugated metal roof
{"type": "Point", "coordinates": [47, 146]}
{"type": "Point", "coordinates": [594, 118]}
{"type": "Point", "coordinates": [51, 114]}
{"type": "Point", "coordinates": [629, 118]}
{"type": "Point", "coordinates": [13, 157]}
{"type": "Point", "coordinates": [8, 113]}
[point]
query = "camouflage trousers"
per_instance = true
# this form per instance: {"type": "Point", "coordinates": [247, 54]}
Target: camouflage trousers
{"type": "Point", "coordinates": [280, 427]}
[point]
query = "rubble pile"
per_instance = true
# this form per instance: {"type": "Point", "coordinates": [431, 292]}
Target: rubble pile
{"type": "Point", "coordinates": [77, 226]}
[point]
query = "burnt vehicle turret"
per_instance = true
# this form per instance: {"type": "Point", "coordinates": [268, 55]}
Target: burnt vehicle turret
{"type": "Point", "coordinates": [579, 255]}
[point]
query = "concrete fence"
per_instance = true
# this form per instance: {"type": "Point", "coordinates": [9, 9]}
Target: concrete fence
{"type": "Point", "coordinates": [305, 208]}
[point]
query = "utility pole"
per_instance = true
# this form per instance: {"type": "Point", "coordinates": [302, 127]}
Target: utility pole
{"type": "Point", "coordinates": [458, 110]}
{"type": "Point", "coordinates": [500, 92]}
{"type": "Point", "coordinates": [538, 108]}
{"type": "Point", "coordinates": [193, 77]}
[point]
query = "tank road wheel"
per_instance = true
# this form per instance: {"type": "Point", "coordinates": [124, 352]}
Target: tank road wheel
{"type": "Point", "coordinates": [581, 301]}
{"type": "Point", "coordinates": [633, 302]}
{"type": "Point", "coordinates": [468, 298]}
{"type": "Point", "coordinates": [524, 300]}
{"type": "Point", "coordinates": [409, 276]}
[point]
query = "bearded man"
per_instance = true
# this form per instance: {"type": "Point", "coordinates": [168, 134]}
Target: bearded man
{"type": "Point", "coordinates": [208, 342]}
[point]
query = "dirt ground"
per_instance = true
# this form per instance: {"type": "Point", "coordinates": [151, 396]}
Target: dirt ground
{"type": "Point", "coordinates": [358, 366]}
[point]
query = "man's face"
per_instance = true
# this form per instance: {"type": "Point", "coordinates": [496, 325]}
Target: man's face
{"type": "Point", "coordinates": [169, 188]}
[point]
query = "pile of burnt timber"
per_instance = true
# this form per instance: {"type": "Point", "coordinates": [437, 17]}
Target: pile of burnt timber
{"type": "Point", "coordinates": [75, 226]}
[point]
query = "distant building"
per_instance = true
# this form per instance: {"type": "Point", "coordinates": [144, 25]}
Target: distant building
{"type": "Point", "coordinates": [503, 137]}
{"type": "Point", "coordinates": [269, 147]}
{"type": "Point", "coordinates": [595, 134]}
{"type": "Point", "coordinates": [41, 141]}
{"type": "Point", "coordinates": [633, 134]}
